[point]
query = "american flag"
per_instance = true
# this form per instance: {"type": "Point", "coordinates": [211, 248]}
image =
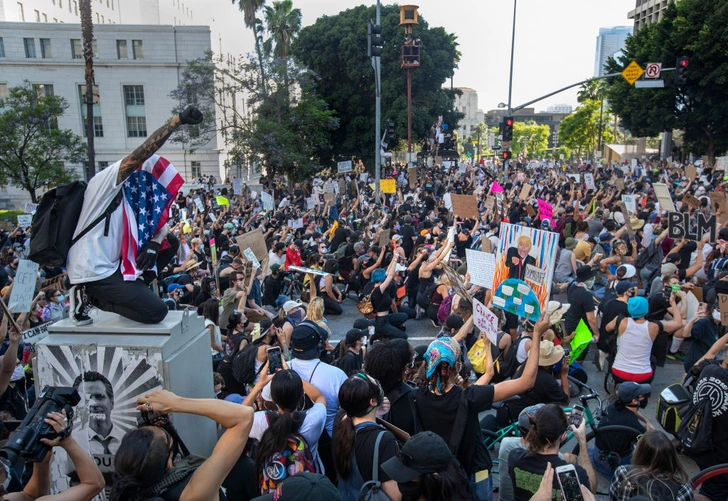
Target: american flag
{"type": "Point", "coordinates": [148, 195]}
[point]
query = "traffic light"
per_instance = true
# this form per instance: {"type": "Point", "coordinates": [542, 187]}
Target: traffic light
{"type": "Point", "coordinates": [374, 40]}
{"type": "Point", "coordinates": [506, 154]}
{"type": "Point", "coordinates": [507, 129]}
{"type": "Point", "coordinates": [390, 129]}
{"type": "Point", "coordinates": [681, 69]}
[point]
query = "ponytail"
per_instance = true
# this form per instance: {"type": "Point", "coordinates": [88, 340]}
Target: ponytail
{"type": "Point", "coordinates": [342, 443]}
{"type": "Point", "coordinates": [280, 426]}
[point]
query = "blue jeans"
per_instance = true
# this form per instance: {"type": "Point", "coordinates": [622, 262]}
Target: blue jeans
{"type": "Point", "coordinates": [483, 490]}
{"type": "Point", "coordinates": [602, 465]}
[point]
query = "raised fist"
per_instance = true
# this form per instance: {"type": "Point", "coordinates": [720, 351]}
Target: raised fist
{"type": "Point", "coordinates": [191, 116]}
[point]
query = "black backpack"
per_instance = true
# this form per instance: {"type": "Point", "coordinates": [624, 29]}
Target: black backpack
{"type": "Point", "coordinates": [509, 364]}
{"type": "Point", "coordinates": [696, 428]}
{"type": "Point", "coordinates": [55, 222]}
{"type": "Point", "coordinates": [427, 295]}
{"type": "Point", "coordinates": [243, 364]}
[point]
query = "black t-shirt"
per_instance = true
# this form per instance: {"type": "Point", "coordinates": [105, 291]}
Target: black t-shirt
{"type": "Point", "coordinates": [526, 472]}
{"type": "Point", "coordinates": [364, 451]}
{"type": "Point", "coordinates": [616, 441]}
{"type": "Point", "coordinates": [582, 302]}
{"type": "Point", "coordinates": [437, 414]}
{"type": "Point", "coordinates": [546, 389]}
{"type": "Point", "coordinates": [658, 305]}
{"type": "Point", "coordinates": [350, 362]}
{"type": "Point", "coordinates": [612, 310]}
{"type": "Point", "coordinates": [407, 232]}
{"type": "Point", "coordinates": [400, 411]}
{"type": "Point", "coordinates": [713, 383]}
{"type": "Point", "coordinates": [381, 301]}
{"type": "Point", "coordinates": [271, 289]}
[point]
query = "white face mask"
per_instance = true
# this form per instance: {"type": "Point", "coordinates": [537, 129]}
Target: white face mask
{"type": "Point", "coordinates": [716, 315]}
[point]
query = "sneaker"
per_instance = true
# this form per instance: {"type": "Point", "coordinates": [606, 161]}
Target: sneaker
{"type": "Point", "coordinates": [678, 355]}
{"type": "Point", "coordinates": [80, 306]}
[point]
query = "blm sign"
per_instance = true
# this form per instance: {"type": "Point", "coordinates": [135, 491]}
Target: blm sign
{"type": "Point", "coordinates": [679, 227]}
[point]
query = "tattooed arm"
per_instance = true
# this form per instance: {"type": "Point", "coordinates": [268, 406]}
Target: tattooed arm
{"type": "Point", "coordinates": [191, 116]}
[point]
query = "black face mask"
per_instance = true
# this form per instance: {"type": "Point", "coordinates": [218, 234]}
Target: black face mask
{"type": "Point", "coordinates": [410, 490]}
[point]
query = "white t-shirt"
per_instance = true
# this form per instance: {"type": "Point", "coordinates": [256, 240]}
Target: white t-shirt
{"type": "Point", "coordinates": [311, 428]}
{"type": "Point", "coordinates": [218, 335]}
{"type": "Point", "coordinates": [95, 256]}
{"type": "Point", "coordinates": [326, 378]}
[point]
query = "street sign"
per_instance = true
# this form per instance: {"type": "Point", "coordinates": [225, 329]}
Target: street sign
{"type": "Point", "coordinates": [653, 70]}
{"type": "Point", "coordinates": [496, 147]}
{"type": "Point", "coordinates": [644, 84]}
{"type": "Point", "coordinates": [632, 72]}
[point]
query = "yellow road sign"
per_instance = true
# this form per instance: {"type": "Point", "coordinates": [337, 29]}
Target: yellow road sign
{"type": "Point", "coordinates": [632, 72]}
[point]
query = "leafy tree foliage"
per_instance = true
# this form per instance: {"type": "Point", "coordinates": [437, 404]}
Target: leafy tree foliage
{"type": "Point", "coordinates": [335, 48]}
{"type": "Point", "coordinates": [531, 138]}
{"type": "Point", "coordinates": [694, 29]}
{"type": "Point", "coordinates": [33, 150]}
{"type": "Point", "coordinates": [579, 131]}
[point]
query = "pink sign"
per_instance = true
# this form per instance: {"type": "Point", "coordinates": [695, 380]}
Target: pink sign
{"type": "Point", "coordinates": [496, 188]}
{"type": "Point", "coordinates": [545, 210]}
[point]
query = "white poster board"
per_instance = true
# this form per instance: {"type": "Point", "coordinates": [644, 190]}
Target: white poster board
{"type": "Point", "coordinates": [721, 163]}
{"type": "Point", "coordinates": [199, 205]}
{"type": "Point", "coordinates": [486, 321]}
{"type": "Point", "coordinates": [237, 188]}
{"type": "Point", "coordinates": [448, 201]}
{"type": "Point", "coordinates": [250, 255]}
{"type": "Point", "coordinates": [589, 181]}
{"type": "Point", "coordinates": [30, 208]}
{"type": "Point", "coordinates": [481, 266]}
{"type": "Point", "coordinates": [25, 220]}
{"type": "Point", "coordinates": [267, 200]}
{"type": "Point", "coordinates": [23, 291]}
{"type": "Point", "coordinates": [630, 203]}
{"type": "Point", "coordinates": [344, 166]}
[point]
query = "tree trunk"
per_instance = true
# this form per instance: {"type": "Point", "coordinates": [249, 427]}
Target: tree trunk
{"type": "Point", "coordinates": [87, 30]}
{"type": "Point", "coordinates": [33, 196]}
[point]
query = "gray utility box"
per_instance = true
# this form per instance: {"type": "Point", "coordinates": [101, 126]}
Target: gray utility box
{"type": "Point", "coordinates": [122, 360]}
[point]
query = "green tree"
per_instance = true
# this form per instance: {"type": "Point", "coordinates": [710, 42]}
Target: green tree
{"type": "Point", "coordinates": [579, 131]}
{"type": "Point", "coordinates": [250, 8]}
{"type": "Point", "coordinates": [284, 23]}
{"type": "Point", "coordinates": [87, 32]}
{"type": "Point", "coordinates": [335, 49]}
{"type": "Point", "coordinates": [33, 150]}
{"type": "Point", "coordinates": [531, 138]}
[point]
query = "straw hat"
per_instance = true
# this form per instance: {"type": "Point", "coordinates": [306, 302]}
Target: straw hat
{"type": "Point", "coordinates": [549, 354]}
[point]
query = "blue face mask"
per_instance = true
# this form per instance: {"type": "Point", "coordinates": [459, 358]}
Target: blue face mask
{"type": "Point", "coordinates": [61, 298]}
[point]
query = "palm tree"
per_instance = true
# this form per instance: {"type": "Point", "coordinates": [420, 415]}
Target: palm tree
{"type": "Point", "coordinates": [87, 33]}
{"type": "Point", "coordinates": [249, 8]}
{"type": "Point", "coordinates": [284, 23]}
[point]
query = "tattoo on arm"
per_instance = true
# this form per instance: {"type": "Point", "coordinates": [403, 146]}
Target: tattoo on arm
{"type": "Point", "coordinates": [147, 149]}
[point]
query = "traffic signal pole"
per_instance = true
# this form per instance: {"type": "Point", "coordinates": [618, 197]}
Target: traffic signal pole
{"type": "Point", "coordinates": [376, 63]}
{"type": "Point", "coordinates": [510, 86]}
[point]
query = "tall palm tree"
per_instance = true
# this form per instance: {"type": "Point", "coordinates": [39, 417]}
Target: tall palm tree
{"type": "Point", "coordinates": [250, 8]}
{"type": "Point", "coordinates": [284, 23]}
{"type": "Point", "coordinates": [87, 33]}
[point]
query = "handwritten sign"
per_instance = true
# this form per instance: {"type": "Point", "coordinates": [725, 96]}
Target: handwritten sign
{"type": "Point", "coordinates": [627, 222]}
{"type": "Point", "coordinates": [388, 185]}
{"type": "Point", "coordinates": [23, 286]}
{"type": "Point", "coordinates": [678, 226]}
{"type": "Point", "coordinates": [36, 334]}
{"type": "Point", "coordinates": [237, 188]}
{"type": "Point", "coordinates": [311, 203]}
{"type": "Point", "coordinates": [465, 206]}
{"type": "Point", "coordinates": [253, 240]}
{"type": "Point", "coordinates": [496, 188]}
{"type": "Point", "coordinates": [199, 205]}
{"type": "Point", "coordinates": [525, 191]}
{"type": "Point", "coordinates": [545, 209]}
{"type": "Point", "coordinates": [363, 177]}
{"type": "Point", "coordinates": [619, 183]}
{"type": "Point", "coordinates": [589, 181]}
{"type": "Point", "coordinates": [691, 172]}
{"type": "Point", "coordinates": [25, 220]}
{"type": "Point", "coordinates": [412, 175]}
{"type": "Point", "coordinates": [447, 199]}
{"type": "Point", "coordinates": [344, 166]}
{"type": "Point", "coordinates": [534, 274]}
{"type": "Point", "coordinates": [486, 321]}
{"type": "Point", "coordinates": [30, 208]}
{"type": "Point", "coordinates": [250, 256]}
{"type": "Point", "coordinates": [481, 266]}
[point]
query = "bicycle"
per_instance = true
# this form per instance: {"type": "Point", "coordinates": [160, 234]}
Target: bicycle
{"type": "Point", "coordinates": [708, 473]}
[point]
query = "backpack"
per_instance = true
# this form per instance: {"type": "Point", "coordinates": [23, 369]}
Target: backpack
{"type": "Point", "coordinates": [341, 250]}
{"type": "Point", "coordinates": [54, 223]}
{"type": "Point", "coordinates": [243, 364]}
{"type": "Point", "coordinates": [372, 490]}
{"type": "Point", "coordinates": [425, 299]}
{"type": "Point", "coordinates": [646, 256]}
{"type": "Point", "coordinates": [444, 310]}
{"type": "Point", "coordinates": [171, 486]}
{"type": "Point", "coordinates": [295, 457]}
{"type": "Point", "coordinates": [696, 428]}
{"type": "Point", "coordinates": [509, 364]}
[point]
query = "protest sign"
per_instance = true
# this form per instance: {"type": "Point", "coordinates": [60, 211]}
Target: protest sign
{"type": "Point", "coordinates": [723, 305]}
{"type": "Point", "coordinates": [721, 163]}
{"type": "Point", "coordinates": [691, 172]}
{"type": "Point", "coordinates": [30, 208]}
{"type": "Point", "coordinates": [310, 203]}
{"type": "Point", "coordinates": [619, 183]}
{"type": "Point", "coordinates": [486, 321]}
{"type": "Point", "coordinates": [575, 177]}
{"type": "Point", "coordinates": [524, 254]}
{"type": "Point", "coordinates": [200, 206]}
{"type": "Point", "coordinates": [250, 256]}
{"type": "Point", "coordinates": [384, 237]}
{"type": "Point", "coordinates": [267, 200]}
{"type": "Point", "coordinates": [589, 181]}
{"type": "Point", "coordinates": [691, 200]}
{"type": "Point", "coordinates": [344, 166]}
{"type": "Point", "coordinates": [679, 227]}
{"type": "Point", "coordinates": [56, 283]}
{"type": "Point", "coordinates": [525, 191]}
{"type": "Point", "coordinates": [222, 201]}
{"type": "Point", "coordinates": [253, 240]}
{"type": "Point", "coordinates": [37, 333]}
{"type": "Point", "coordinates": [663, 196]}
{"type": "Point", "coordinates": [718, 204]}
{"type": "Point", "coordinates": [237, 188]}
{"type": "Point", "coordinates": [627, 222]}
{"type": "Point", "coordinates": [481, 266]}
{"type": "Point", "coordinates": [363, 177]}
{"type": "Point", "coordinates": [329, 198]}
{"type": "Point", "coordinates": [308, 270]}
{"type": "Point", "coordinates": [23, 291]}
{"type": "Point", "coordinates": [530, 210]}
{"type": "Point", "coordinates": [412, 175]}
{"type": "Point", "coordinates": [496, 188]}
{"type": "Point", "coordinates": [465, 206]}
{"type": "Point", "coordinates": [25, 220]}
{"type": "Point", "coordinates": [630, 203]}
{"type": "Point", "coordinates": [582, 338]}
{"type": "Point", "coordinates": [447, 199]}
{"type": "Point", "coordinates": [213, 251]}
{"type": "Point", "coordinates": [545, 209]}
{"type": "Point", "coordinates": [388, 185]}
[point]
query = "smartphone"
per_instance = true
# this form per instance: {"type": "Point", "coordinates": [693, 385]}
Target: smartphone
{"type": "Point", "coordinates": [577, 412]}
{"type": "Point", "coordinates": [274, 360]}
{"type": "Point", "coordinates": [569, 482]}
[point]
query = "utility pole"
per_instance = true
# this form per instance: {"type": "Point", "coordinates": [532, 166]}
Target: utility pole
{"type": "Point", "coordinates": [375, 51]}
{"type": "Point", "coordinates": [510, 88]}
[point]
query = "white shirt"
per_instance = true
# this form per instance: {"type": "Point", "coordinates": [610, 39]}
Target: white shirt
{"type": "Point", "coordinates": [311, 428]}
{"type": "Point", "coordinates": [218, 335]}
{"type": "Point", "coordinates": [274, 258]}
{"type": "Point", "coordinates": [327, 379]}
{"type": "Point", "coordinates": [95, 256]}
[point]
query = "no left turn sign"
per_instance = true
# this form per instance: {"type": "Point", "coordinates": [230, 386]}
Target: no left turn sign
{"type": "Point", "coordinates": [653, 70]}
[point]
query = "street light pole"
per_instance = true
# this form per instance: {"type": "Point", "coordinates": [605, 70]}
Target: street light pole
{"type": "Point", "coordinates": [510, 82]}
{"type": "Point", "coordinates": [376, 63]}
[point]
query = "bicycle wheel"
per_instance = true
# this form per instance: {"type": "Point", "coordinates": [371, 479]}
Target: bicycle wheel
{"type": "Point", "coordinates": [611, 436]}
{"type": "Point", "coordinates": [490, 438]}
{"type": "Point", "coordinates": [708, 473]}
{"type": "Point", "coordinates": [295, 291]}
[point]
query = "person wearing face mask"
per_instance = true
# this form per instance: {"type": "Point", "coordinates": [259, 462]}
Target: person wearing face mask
{"type": "Point", "coordinates": [55, 310]}
{"type": "Point", "coordinates": [704, 329]}
{"type": "Point", "coordinates": [582, 302]}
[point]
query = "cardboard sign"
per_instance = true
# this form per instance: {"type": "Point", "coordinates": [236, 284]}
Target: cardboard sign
{"type": "Point", "coordinates": [718, 204]}
{"type": "Point", "coordinates": [329, 198]}
{"type": "Point", "coordinates": [481, 266]}
{"type": "Point", "coordinates": [691, 172]}
{"type": "Point", "coordinates": [388, 185]}
{"type": "Point", "coordinates": [530, 211]}
{"type": "Point", "coordinates": [525, 191]}
{"type": "Point", "coordinates": [486, 321]}
{"type": "Point", "coordinates": [691, 201]}
{"type": "Point", "coordinates": [250, 256]}
{"type": "Point", "coordinates": [412, 175]}
{"type": "Point", "coordinates": [723, 304]}
{"type": "Point", "coordinates": [465, 206]}
{"type": "Point", "coordinates": [663, 196]}
{"type": "Point", "coordinates": [23, 291]}
{"type": "Point", "coordinates": [25, 220]}
{"type": "Point", "coordinates": [678, 226]}
{"type": "Point", "coordinates": [619, 183]}
{"type": "Point", "coordinates": [253, 240]}
{"type": "Point", "coordinates": [56, 283]}
{"type": "Point", "coordinates": [627, 222]}
{"type": "Point", "coordinates": [384, 237]}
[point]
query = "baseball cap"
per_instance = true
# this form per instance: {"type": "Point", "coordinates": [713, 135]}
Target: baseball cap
{"type": "Point", "coordinates": [624, 286]}
{"type": "Point", "coordinates": [354, 335]}
{"type": "Point", "coordinates": [289, 306]}
{"type": "Point", "coordinates": [628, 271]}
{"type": "Point", "coordinates": [303, 486]}
{"type": "Point", "coordinates": [523, 422]}
{"type": "Point", "coordinates": [174, 287]}
{"type": "Point", "coordinates": [275, 268]}
{"type": "Point", "coordinates": [426, 452]}
{"type": "Point", "coordinates": [672, 257]}
{"type": "Point", "coordinates": [454, 322]}
{"type": "Point", "coordinates": [668, 269]}
{"type": "Point", "coordinates": [629, 390]}
{"type": "Point", "coordinates": [723, 234]}
{"type": "Point", "coordinates": [298, 243]}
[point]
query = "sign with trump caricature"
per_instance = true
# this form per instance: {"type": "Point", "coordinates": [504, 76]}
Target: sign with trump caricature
{"type": "Point", "coordinates": [524, 269]}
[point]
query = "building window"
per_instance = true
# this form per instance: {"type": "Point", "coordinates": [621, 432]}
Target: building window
{"type": "Point", "coordinates": [75, 6]}
{"type": "Point", "coordinates": [121, 50]}
{"type": "Point", "coordinates": [98, 123]}
{"type": "Point", "coordinates": [103, 165]}
{"type": "Point", "coordinates": [196, 169]}
{"type": "Point", "coordinates": [97, 18]}
{"type": "Point", "coordinates": [21, 11]}
{"type": "Point", "coordinates": [43, 90]}
{"type": "Point", "coordinates": [137, 49]}
{"type": "Point", "coordinates": [29, 44]}
{"type": "Point", "coordinates": [46, 51]}
{"type": "Point", "coordinates": [136, 120]}
{"type": "Point", "coordinates": [4, 93]}
{"type": "Point", "coordinates": [2, 47]}
{"type": "Point", "coordinates": [95, 47]}
{"type": "Point", "coordinates": [45, 18]}
{"type": "Point", "coordinates": [60, 3]}
{"type": "Point", "coordinates": [76, 49]}
{"type": "Point", "coordinates": [37, 16]}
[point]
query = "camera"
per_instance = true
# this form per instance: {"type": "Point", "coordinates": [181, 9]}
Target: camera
{"type": "Point", "coordinates": [25, 441]}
